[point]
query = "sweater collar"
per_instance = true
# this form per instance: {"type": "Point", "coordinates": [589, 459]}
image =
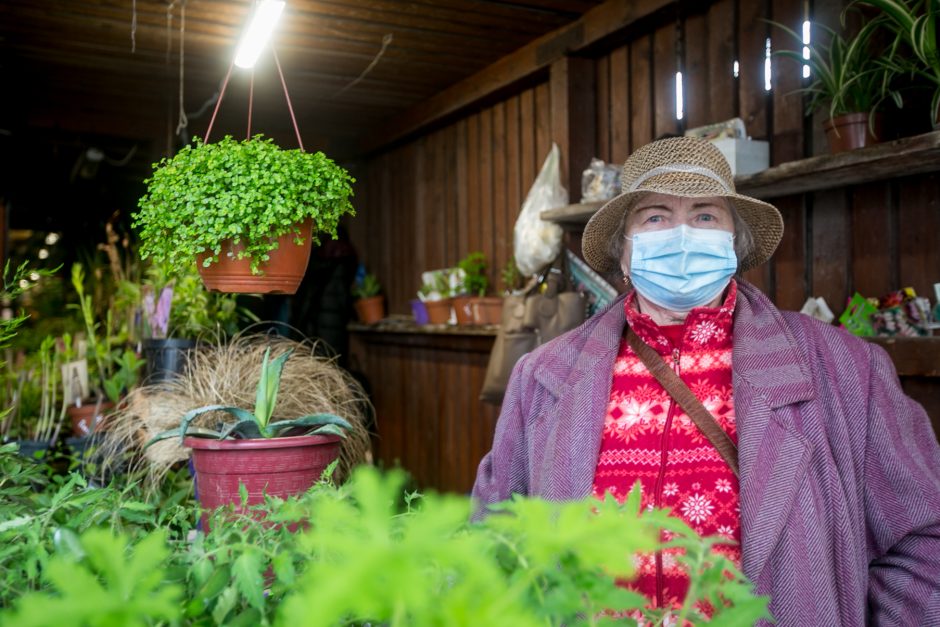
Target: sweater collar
{"type": "Point", "coordinates": [703, 326]}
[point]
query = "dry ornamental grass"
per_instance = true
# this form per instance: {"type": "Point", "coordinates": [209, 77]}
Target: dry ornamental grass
{"type": "Point", "coordinates": [227, 374]}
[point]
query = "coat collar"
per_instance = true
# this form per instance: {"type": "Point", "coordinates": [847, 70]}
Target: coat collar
{"type": "Point", "coordinates": [770, 375]}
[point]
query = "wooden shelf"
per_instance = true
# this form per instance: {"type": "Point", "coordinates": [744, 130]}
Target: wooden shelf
{"type": "Point", "coordinates": [912, 356]}
{"type": "Point", "coordinates": [901, 157]}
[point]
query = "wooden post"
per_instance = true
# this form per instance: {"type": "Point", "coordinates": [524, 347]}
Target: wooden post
{"type": "Point", "coordinates": [573, 118]}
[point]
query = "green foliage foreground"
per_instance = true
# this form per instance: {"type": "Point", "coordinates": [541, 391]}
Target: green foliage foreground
{"type": "Point", "coordinates": [372, 554]}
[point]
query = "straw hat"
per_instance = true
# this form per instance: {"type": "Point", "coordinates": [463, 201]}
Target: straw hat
{"type": "Point", "coordinates": [680, 166]}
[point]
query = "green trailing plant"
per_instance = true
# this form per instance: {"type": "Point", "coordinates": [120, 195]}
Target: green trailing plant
{"type": "Point", "coordinates": [847, 76]}
{"type": "Point", "coordinates": [250, 192]}
{"type": "Point", "coordinates": [475, 281]}
{"type": "Point", "coordinates": [368, 287]}
{"type": "Point", "coordinates": [915, 50]}
{"type": "Point", "coordinates": [124, 375]}
{"type": "Point", "coordinates": [258, 423]}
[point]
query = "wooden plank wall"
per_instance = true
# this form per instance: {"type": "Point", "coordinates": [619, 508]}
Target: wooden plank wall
{"type": "Point", "coordinates": [427, 203]}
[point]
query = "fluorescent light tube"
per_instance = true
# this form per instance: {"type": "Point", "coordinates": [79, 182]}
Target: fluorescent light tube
{"type": "Point", "coordinates": [258, 34]}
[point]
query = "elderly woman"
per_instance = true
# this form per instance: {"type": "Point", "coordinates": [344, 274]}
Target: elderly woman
{"type": "Point", "coordinates": [836, 512]}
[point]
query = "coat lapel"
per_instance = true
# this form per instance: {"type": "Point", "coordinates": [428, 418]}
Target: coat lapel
{"type": "Point", "coordinates": [770, 377]}
{"type": "Point", "coordinates": [579, 378]}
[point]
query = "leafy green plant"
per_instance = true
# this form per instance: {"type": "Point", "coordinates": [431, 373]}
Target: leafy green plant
{"type": "Point", "coordinates": [913, 24]}
{"type": "Point", "coordinates": [511, 276]}
{"type": "Point", "coordinates": [475, 280]}
{"type": "Point", "coordinates": [250, 192]}
{"type": "Point", "coordinates": [124, 375]}
{"type": "Point", "coordinates": [847, 74]}
{"type": "Point", "coordinates": [368, 287]}
{"type": "Point", "coordinates": [374, 553]}
{"type": "Point", "coordinates": [258, 424]}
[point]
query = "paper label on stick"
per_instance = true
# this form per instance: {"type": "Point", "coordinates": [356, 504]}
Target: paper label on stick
{"type": "Point", "coordinates": [75, 381]}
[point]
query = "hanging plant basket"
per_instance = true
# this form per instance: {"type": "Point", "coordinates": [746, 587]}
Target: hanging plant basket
{"type": "Point", "coordinates": [247, 212]}
{"type": "Point", "coordinates": [280, 274]}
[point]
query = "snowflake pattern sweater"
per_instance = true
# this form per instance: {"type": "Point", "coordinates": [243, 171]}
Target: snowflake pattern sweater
{"type": "Point", "coordinates": [649, 438]}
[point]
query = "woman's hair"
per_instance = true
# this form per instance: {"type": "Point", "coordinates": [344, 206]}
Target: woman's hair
{"type": "Point", "coordinates": [743, 238]}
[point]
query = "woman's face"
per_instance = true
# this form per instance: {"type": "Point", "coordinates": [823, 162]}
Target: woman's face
{"type": "Point", "coordinates": [657, 212]}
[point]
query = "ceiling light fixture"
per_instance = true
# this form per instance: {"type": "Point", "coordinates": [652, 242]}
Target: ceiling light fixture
{"type": "Point", "coordinates": [258, 32]}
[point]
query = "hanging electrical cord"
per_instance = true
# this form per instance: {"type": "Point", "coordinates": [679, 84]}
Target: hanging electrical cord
{"type": "Point", "coordinates": [386, 40]}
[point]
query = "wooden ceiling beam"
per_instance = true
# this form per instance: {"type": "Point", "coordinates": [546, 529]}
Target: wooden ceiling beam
{"type": "Point", "coordinates": [595, 25]}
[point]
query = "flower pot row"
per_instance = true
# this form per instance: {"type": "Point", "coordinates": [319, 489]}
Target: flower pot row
{"type": "Point", "coordinates": [467, 310]}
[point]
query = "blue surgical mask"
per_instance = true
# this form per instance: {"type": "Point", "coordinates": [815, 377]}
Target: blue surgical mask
{"type": "Point", "coordinates": [682, 268]}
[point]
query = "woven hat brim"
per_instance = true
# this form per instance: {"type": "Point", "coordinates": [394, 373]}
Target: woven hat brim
{"type": "Point", "coordinates": [764, 219]}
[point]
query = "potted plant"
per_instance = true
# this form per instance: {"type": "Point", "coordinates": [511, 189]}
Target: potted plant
{"type": "Point", "coordinates": [115, 369]}
{"type": "Point", "coordinates": [175, 313]}
{"type": "Point", "coordinates": [472, 283]}
{"type": "Point", "coordinates": [914, 24]}
{"type": "Point", "coordinates": [369, 304]}
{"type": "Point", "coordinates": [244, 211]}
{"type": "Point", "coordinates": [849, 81]}
{"type": "Point", "coordinates": [437, 294]}
{"type": "Point", "coordinates": [263, 454]}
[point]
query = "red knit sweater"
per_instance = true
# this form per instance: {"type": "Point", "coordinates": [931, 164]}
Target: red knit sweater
{"type": "Point", "coordinates": [649, 438]}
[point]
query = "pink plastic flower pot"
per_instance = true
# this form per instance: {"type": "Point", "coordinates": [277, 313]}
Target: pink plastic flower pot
{"type": "Point", "coordinates": [277, 467]}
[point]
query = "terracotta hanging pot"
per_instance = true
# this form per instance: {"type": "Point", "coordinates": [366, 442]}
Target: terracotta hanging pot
{"type": "Point", "coordinates": [370, 310]}
{"type": "Point", "coordinates": [281, 274]}
{"type": "Point", "coordinates": [851, 131]}
{"type": "Point", "coordinates": [279, 467]}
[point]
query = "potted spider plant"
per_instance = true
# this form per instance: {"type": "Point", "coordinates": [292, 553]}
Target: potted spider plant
{"type": "Point", "coordinates": [246, 212]}
{"type": "Point", "coordinates": [267, 456]}
{"type": "Point", "coordinates": [849, 82]}
{"type": "Point", "coordinates": [914, 50]}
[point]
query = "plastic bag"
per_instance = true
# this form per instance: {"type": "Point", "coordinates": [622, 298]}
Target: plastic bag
{"type": "Point", "coordinates": [601, 181]}
{"type": "Point", "coordinates": [536, 242]}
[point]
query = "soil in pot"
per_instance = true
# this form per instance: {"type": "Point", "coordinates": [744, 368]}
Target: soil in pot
{"type": "Point", "coordinates": [165, 358]}
{"type": "Point", "coordinates": [277, 467]}
{"type": "Point", "coordinates": [851, 131]}
{"type": "Point", "coordinates": [88, 418]}
{"type": "Point", "coordinates": [370, 310]}
{"type": "Point", "coordinates": [281, 274]}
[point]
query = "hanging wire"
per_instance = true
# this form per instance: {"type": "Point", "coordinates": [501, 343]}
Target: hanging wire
{"type": "Point", "coordinates": [251, 99]}
{"type": "Point", "coordinates": [183, 120]}
{"type": "Point", "coordinates": [133, 26]}
{"type": "Point", "coordinates": [386, 40]}
{"type": "Point", "coordinates": [287, 96]}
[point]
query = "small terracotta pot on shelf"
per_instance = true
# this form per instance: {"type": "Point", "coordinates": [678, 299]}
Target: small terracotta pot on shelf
{"type": "Point", "coordinates": [851, 131]}
{"type": "Point", "coordinates": [487, 310]}
{"type": "Point", "coordinates": [370, 310]}
{"type": "Point", "coordinates": [462, 309]}
{"type": "Point", "coordinates": [438, 310]}
{"type": "Point", "coordinates": [281, 274]}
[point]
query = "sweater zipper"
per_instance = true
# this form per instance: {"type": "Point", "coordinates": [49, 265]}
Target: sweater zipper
{"type": "Point", "coordinates": [667, 427]}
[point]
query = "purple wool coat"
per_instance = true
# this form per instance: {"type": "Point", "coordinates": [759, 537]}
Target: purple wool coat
{"type": "Point", "coordinates": [840, 470]}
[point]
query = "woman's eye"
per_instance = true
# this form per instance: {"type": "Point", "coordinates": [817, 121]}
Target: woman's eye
{"type": "Point", "coordinates": [654, 219]}
{"type": "Point", "coordinates": [706, 217]}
